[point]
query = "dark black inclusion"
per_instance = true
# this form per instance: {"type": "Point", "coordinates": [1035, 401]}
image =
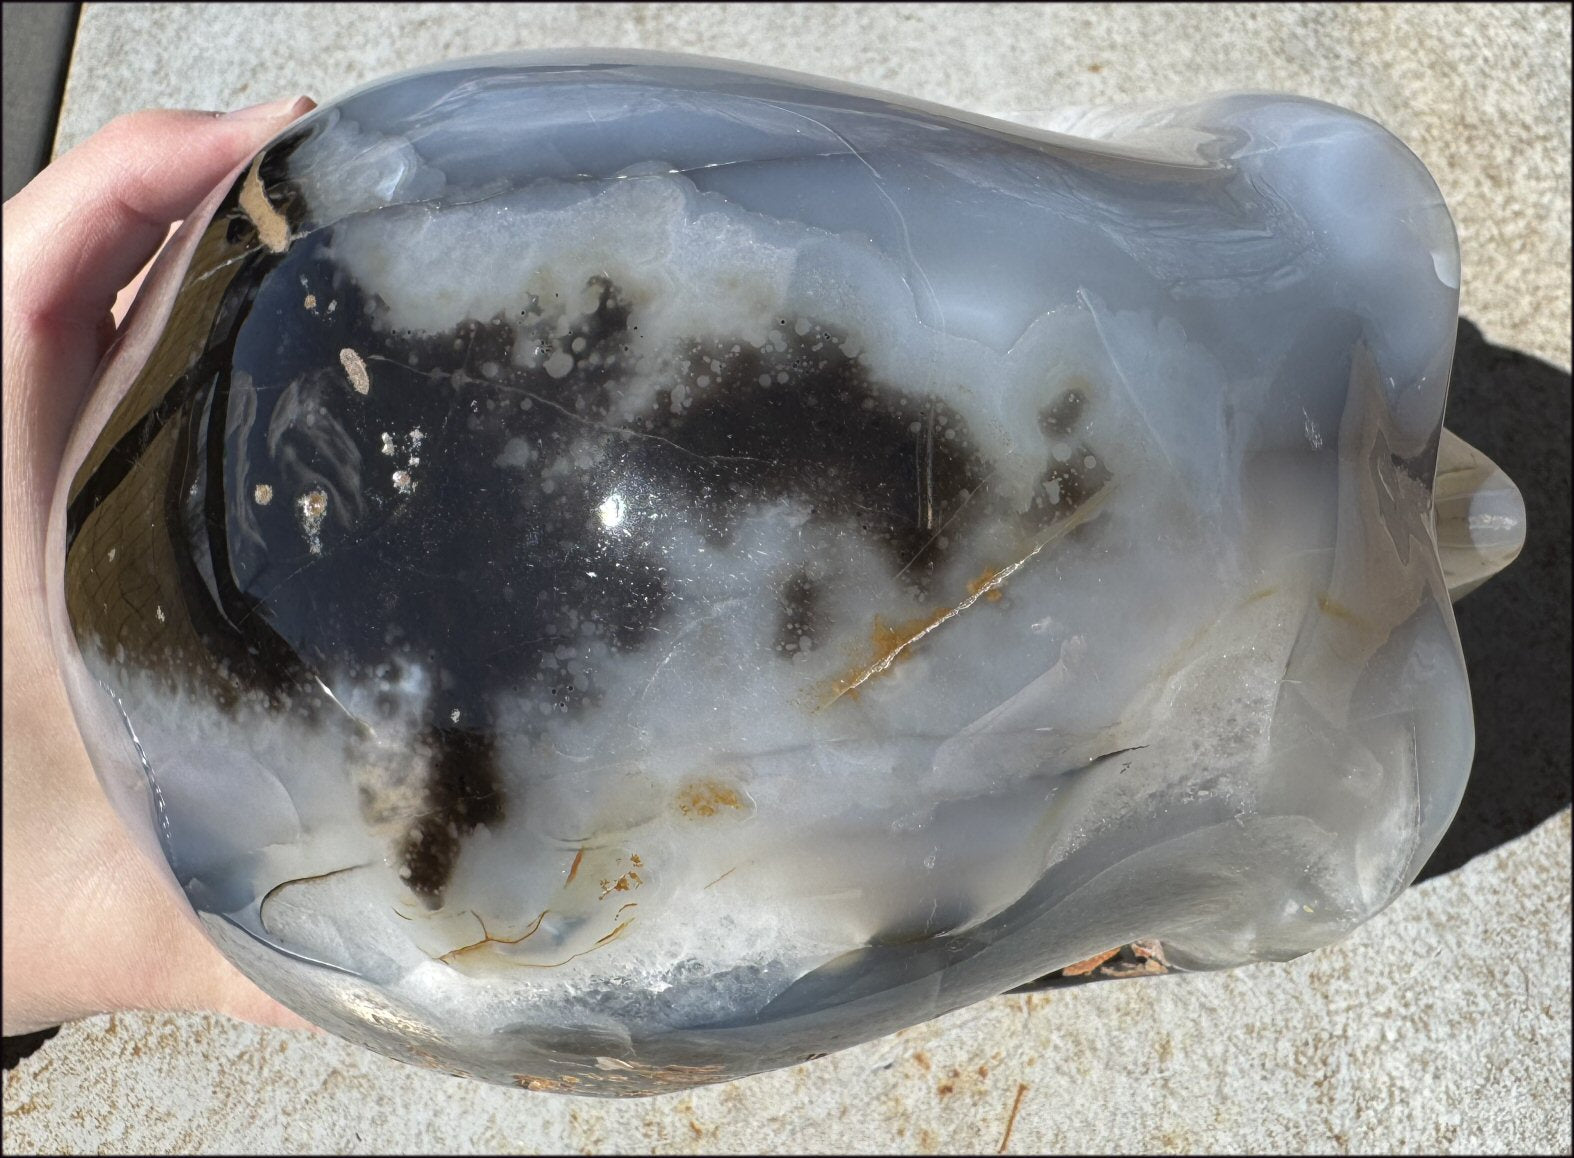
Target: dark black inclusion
{"type": "Point", "coordinates": [490, 573]}
{"type": "Point", "coordinates": [1062, 421]}
{"type": "Point", "coordinates": [463, 793]}
{"type": "Point", "coordinates": [858, 453]}
{"type": "Point", "coordinates": [799, 599]}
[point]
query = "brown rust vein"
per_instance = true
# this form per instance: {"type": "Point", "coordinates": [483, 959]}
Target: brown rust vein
{"type": "Point", "coordinates": [894, 643]}
{"type": "Point", "coordinates": [616, 932]}
{"type": "Point", "coordinates": [573, 869]}
{"type": "Point", "coordinates": [1080, 968]}
{"type": "Point", "coordinates": [601, 944]}
{"type": "Point", "coordinates": [488, 939]}
{"type": "Point", "coordinates": [723, 877]}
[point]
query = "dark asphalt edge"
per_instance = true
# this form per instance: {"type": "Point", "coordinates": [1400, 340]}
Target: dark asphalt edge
{"type": "Point", "coordinates": [38, 42]}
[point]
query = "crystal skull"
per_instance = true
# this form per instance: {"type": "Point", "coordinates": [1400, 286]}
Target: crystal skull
{"type": "Point", "coordinates": [610, 572]}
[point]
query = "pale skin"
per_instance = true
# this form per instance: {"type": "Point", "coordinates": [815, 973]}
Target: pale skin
{"type": "Point", "coordinates": [89, 924]}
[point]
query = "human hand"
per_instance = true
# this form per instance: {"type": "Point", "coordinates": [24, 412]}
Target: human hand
{"type": "Point", "coordinates": [89, 925]}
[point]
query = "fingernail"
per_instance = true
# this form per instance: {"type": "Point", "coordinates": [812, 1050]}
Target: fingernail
{"type": "Point", "coordinates": [274, 110]}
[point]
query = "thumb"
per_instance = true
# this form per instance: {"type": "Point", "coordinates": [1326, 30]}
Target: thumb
{"type": "Point", "coordinates": [75, 235]}
{"type": "Point", "coordinates": [84, 226]}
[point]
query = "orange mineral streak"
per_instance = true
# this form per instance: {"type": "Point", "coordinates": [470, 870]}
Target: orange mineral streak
{"type": "Point", "coordinates": [892, 643]}
{"type": "Point", "coordinates": [1082, 968]}
{"type": "Point", "coordinates": [889, 644]}
{"type": "Point", "coordinates": [573, 869]}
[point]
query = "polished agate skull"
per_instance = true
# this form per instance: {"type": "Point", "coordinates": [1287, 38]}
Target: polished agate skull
{"type": "Point", "coordinates": [609, 571]}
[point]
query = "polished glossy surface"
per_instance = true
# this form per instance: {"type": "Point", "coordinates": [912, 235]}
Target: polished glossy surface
{"type": "Point", "coordinates": [609, 576]}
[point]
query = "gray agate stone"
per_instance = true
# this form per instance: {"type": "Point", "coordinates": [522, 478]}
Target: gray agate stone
{"type": "Point", "coordinates": [609, 572]}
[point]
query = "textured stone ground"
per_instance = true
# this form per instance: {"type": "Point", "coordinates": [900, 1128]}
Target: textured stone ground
{"type": "Point", "coordinates": [1443, 1025]}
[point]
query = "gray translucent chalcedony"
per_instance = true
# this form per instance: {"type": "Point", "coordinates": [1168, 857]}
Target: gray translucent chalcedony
{"type": "Point", "coordinates": [609, 572]}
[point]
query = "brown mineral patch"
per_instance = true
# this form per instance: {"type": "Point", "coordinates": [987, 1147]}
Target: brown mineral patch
{"type": "Point", "coordinates": [626, 880]}
{"type": "Point", "coordinates": [629, 880]}
{"type": "Point", "coordinates": [1120, 970]}
{"type": "Point", "coordinates": [272, 229]}
{"type": "Point", "coordinates": [705, 798]}
{"type": "Point", "coordinates": [922, 1059]}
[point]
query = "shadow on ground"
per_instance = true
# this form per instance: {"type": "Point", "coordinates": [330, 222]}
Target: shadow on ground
{"type": "Point", "coordinates": [1515, 628]}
